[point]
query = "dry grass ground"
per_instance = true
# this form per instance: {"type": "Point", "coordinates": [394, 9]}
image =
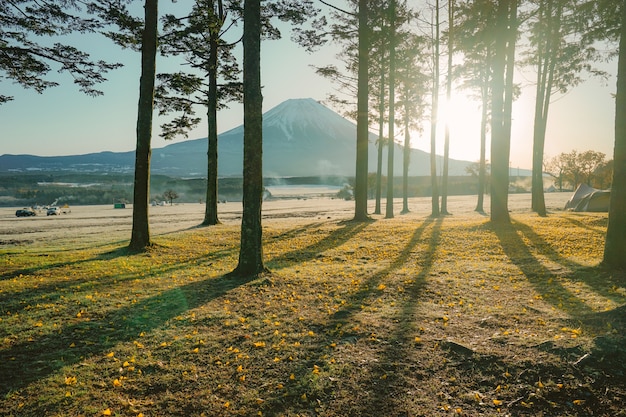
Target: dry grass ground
{"type": "Point", "coordinates": [408, 316]}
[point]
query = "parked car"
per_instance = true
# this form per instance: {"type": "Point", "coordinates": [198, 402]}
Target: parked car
{"type": "Point", "coordinates": [25, 212]}
{"type": "Point", "coordinates": [53, 211]}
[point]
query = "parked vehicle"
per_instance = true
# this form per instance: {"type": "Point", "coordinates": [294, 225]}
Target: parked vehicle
{"type": "Point", "coordinates": [25, 212]}
{"type": "Point", "coordinates": [53, 211]}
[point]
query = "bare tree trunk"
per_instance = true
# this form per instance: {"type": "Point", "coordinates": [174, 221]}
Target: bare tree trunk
{"type": "Point", "coordinates": [210, 212]}
{"type": "Point", "coordinates": [406, 158]}
{"type": "Point", "coordinates": [446, 144]}
{"type": "Point", "coordinates": [140, 235]}
{"type": "Point", "coordinates": [381, 136]}
{"type": "Point", "coordinates": [392, 108]}
{"type": "Point", "coordinates": [362, 123]}
{"type": "Point", "coordinates": [433, 120]}
{"type": "Point", "coordinates": [615, 244]}
{"type": "Point", "coordinates": [545, 78]}
{"type": "Point", "coordinates": [251, 249]}
{"type": "Point", "coordinates": [482, 164]}
{"type": "Point", "coordinates": [501, 111]}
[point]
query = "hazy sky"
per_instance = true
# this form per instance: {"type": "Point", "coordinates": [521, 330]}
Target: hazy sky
{"type": "Point", "coordinates": [63, 121]}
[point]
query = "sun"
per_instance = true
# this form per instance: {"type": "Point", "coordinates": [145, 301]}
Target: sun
{"type": "Point", "coordinates": [463, 115]}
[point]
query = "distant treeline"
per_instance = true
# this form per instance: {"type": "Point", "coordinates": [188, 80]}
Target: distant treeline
{"type": "Point", "coordinates": [46, 188]}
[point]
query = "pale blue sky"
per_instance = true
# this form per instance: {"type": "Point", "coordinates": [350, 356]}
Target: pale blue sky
{"type": "Point", "coordinates": [62, 121]}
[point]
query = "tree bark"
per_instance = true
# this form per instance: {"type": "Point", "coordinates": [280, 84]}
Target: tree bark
{"type": "Point", "coordinates": [381, 136]}
{"type": "Point", "coordinates": [210, 212]}
{"type": "Point", "coordinates": [406, 158]}
{"type": "Point", "coordinates": [392, 109]}
{"type": "Point", "coordinates": [251, 248]}
{"type": "Point", "coordinates": [433, 121]}
{"type": "Point", "coordinates": [446, 143]}
{"type": "Point", "coordinates": [482, 165]}
{"type": "Point", "coordinates": [615, 244]}
{"type": "Point", "coordinates": [501, 114]}
{"type": "Point", "coordinates": [140, 234]}
{"type": "Point", "coordinates": [362, 124]}
{"type": "Point", "coordinates": [545, 78]}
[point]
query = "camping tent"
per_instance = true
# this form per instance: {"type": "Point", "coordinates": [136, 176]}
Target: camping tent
{"type": "Point", "coordinates": [587, 198]}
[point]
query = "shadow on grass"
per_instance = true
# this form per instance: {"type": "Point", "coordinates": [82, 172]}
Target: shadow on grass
{"type": "Point", "coordinates": [380, 393]}
{"type": "Point", "coordinates": [582, 225]}
{"type": "Point", "coordinates": [334, 239]}
{"type": "Point", "coordinates": [389, 390]}
{"type": "Point", "coordinates": [29, 361]}
{"type": "Point", "coordinates": [369, 286]}
{"type": "Point", "coordinates": [596, 277]}
{"type": "Point", "coordinates": [51, 292]}
{"type": "Point", "coordinates": [539, 276]}
{"type": "Point", "coordinates": [46, 266]}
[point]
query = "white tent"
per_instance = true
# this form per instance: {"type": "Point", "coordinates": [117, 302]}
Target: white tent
{"type": "Point", "coordinates": [587, 198]}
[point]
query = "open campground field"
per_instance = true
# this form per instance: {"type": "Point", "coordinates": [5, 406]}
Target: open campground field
{"type": "Point", "coordinates": [85, 224]}
{"type": "Point", "coordinates": [405, 317]}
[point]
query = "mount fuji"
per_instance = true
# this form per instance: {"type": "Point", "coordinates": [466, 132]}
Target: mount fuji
{"type": "Point", "coordinates": [301, 138]}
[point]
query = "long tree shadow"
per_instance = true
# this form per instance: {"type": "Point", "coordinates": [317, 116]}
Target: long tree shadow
{"type": "Point", "coordinates": [15, 273]}
{"type": "Point", "coordinates": [51, 292]}
{"type": "Point", "coordinates": [599, 230]}
{"type": "Point", "coordinates": [595, 277]}
{"type": "Point", "coordinates": [537, 274]}
{"type": "Point", "coordinates": [29, 361]}
{"type": "Point", "coordinates": [389, 393]}
{"type": "Point", "coordinates": [291, 233]}
{"type": "Point", "coordinates": [368, 287]}
{"type": "Point", "coordinates": [382, 391]}
{"type": "Point", "coordinates": [332, 240]}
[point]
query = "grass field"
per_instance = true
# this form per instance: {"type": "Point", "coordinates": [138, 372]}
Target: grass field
{"type": "Point", "coordinates": [410, 316]}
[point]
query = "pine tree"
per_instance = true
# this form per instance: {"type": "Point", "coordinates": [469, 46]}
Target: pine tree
{"type": "Point", "coordinates": [27, 61]}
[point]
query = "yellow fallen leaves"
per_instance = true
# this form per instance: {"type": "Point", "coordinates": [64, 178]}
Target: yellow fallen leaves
{"type": "Point", "coordinates": [284, 345]}
{"type": "Point", "coordinates": [574, 333]}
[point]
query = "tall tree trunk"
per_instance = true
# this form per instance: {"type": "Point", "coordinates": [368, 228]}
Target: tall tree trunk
{"type": "Point", "coordinates": [433, 120]}
{"type": "Point", "coordinates": [446, 143]}
{"type": "Point", "coordinates": [251, 249]}
{"type": "Point", "coordinates": [406, 156]}
{"type": "Point", "coordinates": [539, 135]}
{"type": "Point", "coordinates": [362, 122]}
{"type": "Point", "coordinates": [615, 244]}
{"type": "Point", "coordinates": [545, 77]}
{"type": "Point", "coordinates": [501, 113]}
{"type": "Point", "coordinates": [140, 235]}
{"type": "Point", "coordinates": [210, 211]}
{"type": "Point", "coordinates": [509, 85]}
{"type": "Point", "coordinates": [381, 136]}
{"type": "Point", "coordinates": [482, 164]}
{"type": "Point", "coordinates": [392, 108]}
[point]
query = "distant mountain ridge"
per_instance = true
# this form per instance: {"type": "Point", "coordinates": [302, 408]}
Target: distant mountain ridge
{"type": "Point", "coordinates": [301, 138]}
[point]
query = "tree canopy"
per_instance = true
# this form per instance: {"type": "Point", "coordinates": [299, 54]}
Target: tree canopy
{"type": "Point", "coordinates": [33, 43]}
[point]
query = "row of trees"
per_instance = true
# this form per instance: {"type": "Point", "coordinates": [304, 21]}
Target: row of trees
{"type": "Point", "coordinates": [391, 55]}
{"type": "Point", "coordinates": [575, 168]}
